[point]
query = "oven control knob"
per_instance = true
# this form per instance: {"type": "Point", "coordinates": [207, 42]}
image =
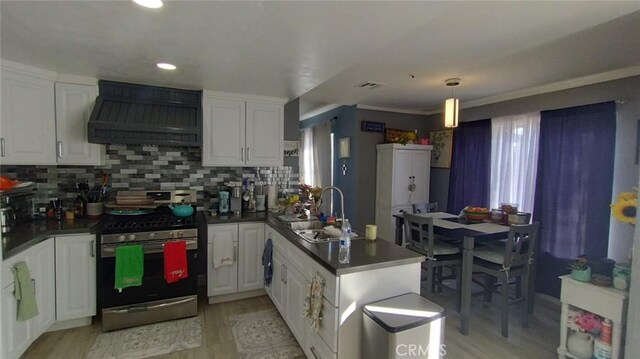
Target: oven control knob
{"type": "Point", "coordinates": [170, 234]}
{"type": "Point", "coordinates": [131, 237]}
{"type": "Point", "coordinates": [152, 235]}
{"type": "Point", "coordinates": [121, 238]}
{"type": "Point", "coordinates": [180, 234]}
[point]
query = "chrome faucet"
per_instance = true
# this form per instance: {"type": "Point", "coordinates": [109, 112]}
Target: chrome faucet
{"type": "Point", "coordinates": [341, 198]}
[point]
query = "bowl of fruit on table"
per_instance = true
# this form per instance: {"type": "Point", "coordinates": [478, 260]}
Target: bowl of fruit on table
{"type": "Point", "coordinates": [476, 214]}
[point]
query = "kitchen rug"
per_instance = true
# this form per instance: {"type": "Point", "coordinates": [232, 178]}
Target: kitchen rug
{"type": "Point", "coordinates": [148, 340]}
{"type": "Point", "coordinates": [264, 335]}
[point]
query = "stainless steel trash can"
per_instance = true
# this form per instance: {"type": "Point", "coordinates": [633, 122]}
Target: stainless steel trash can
{"type": "Point", "coordinates": [406, 326]}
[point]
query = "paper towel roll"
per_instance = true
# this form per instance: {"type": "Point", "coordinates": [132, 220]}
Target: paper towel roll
{"type": "Point", "coordinates": [272, 196]}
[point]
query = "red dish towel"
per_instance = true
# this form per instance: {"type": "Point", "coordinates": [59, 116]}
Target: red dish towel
{"type": "Point", "coordinates": [175, 261]}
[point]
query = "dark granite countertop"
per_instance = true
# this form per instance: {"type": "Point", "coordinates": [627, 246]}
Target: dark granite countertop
{"type": "Point", "coordinates": [365, 255]}
{"type": "Point", "coordinates": [32, 233]}
{"type": "Point", "coordinates": [245, 217]}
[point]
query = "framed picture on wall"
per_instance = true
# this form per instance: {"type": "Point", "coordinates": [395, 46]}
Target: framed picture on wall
{"type": "Point", "coordinates": [442, 142]}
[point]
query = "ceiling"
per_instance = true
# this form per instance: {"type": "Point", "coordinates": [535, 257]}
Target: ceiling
{"type": "Point", "coordinates": [320, 51]}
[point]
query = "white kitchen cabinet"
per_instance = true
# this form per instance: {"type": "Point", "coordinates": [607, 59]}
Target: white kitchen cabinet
{"type": "Point", "coordinates": [278, 285]}
{"type": "Point", "coordinates": [75, 277]}
{"type": "Point", "coordinates": [74, 104]}
{"type": "Point", "coordinates": [264, 134]}
{"type": "Point", "coordinates": [241, 132]}
{"type": "Point", "coordinates": [43, 122]}
{"type": "Point", "coordinates": [245, 277]}
{"type": "Point", "coordinates": [222, 280]}
{"type": "Point", "coordinates": [250, 269]}
{"type": "Point", "coordinates": [402, 179]}
{"type": "Point", "coordinates": [28, 118]}
{"type": "Point", "coordinates": [17, 336]}
{"type": "Point", "coordinates": [296, 292]}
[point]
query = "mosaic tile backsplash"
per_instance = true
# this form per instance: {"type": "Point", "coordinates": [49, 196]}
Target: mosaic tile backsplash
{"type": "Point", "coordinates": [134, 167]}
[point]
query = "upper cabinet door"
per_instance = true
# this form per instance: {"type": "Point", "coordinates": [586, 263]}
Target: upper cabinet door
{"type": "Point", "coordinates": [73, 109]}
{"type": "Point", "coordinates": [402, 177]}
{"type": "Point", "coordinates": [420, 168]}
{"type": "Point", "coordinates": [224, 132]}
{"type": "Point", "coordinates": [27, 122]}
{"type": "Point", "coordinates": [265, 134]}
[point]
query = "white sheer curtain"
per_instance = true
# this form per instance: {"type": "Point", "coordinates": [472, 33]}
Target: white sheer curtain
{"type": "Point", "coordinates": [514, 159]}
{"type": "Point", "coordinates": [315, 161]}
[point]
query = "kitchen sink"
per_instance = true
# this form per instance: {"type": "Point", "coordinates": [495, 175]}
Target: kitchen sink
{"type": "Point", "coordinates": [301, 225]}
{"type": "Point", "coordinates": [320, 236]}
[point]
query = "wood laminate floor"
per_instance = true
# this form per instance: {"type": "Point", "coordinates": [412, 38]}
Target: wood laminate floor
{"type": "Point", "coordinates": [484, 341]}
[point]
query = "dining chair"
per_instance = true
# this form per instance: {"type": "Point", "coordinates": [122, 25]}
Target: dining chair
{"type": "Point", "coordinates": [425, 207]}
{"type": "Point", "coordinates": [420, 239]}
{"type": "Point", "coordinates": [503, 263]}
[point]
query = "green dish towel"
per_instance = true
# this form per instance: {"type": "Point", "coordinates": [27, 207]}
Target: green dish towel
{"type": "Point", "coordinates": [129, 266]}
{"type": "Point", "coordinates": [23, 292]}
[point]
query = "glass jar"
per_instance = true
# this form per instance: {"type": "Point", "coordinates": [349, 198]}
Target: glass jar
{"type": "Point", "coordinates": [621, 276]}
{"type": "Point", "coordinates": [497, 216]}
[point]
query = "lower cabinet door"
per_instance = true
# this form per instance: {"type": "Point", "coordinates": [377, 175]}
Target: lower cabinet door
{"type": "Point", "coordinates": [278, 283]}
{"type": "Point", "coordinates": [75, 277]}
{"type": "Point", "coordinates": [251, 246]}
{"type": "Point", "coordinates": [42, 266]}
{"type": "Point", "coordinates": [224, 279]}
{"type": "Point", "coordinates": [296, 291]}
{"type": "Point", "coordinates": [16, 336]}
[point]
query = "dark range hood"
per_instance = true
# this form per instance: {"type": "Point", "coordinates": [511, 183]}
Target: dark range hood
{"type": "Point", "coordinates": [148, 115]}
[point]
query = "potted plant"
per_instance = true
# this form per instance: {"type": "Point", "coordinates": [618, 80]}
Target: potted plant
{"type": "Point", "coordinates": [580, 269]}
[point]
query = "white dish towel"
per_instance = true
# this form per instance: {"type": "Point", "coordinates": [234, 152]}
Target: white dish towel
{"type": "Point", "coordinates": [223, 252]}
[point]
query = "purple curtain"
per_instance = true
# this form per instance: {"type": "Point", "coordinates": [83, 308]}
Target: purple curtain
{"type": "Point", "coordinates": [573, 188]}
{"type": "Point", "coordinates": [470, 167]}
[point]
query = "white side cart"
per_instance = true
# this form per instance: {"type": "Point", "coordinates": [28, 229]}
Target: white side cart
{"type": "Point", "coordinates": [606, 302]}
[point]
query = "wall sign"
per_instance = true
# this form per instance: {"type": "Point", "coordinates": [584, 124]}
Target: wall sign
{"type": "Point", "coordinates": [291, 148]}
{"type": "Point", "coordinates": [368, 126]}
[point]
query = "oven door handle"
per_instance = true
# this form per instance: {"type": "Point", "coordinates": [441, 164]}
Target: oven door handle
{"type": "Point", "coordinates": [134, 309]}
{"type": "Point", "coordinates": [109, 250]}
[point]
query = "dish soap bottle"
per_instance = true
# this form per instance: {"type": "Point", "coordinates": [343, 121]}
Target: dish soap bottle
{"type": "Point", "coordinates": [345, 243]}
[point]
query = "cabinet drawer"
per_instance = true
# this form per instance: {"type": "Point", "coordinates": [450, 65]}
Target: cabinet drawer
{"type": "Point", "coordinates": [308, 267]}
{"type": "Point", "coordinates": [316, 347]}
{"type": "Point", "coordinates": [329, 325]}
{"type": "Point", "coordinates": [279, 242]}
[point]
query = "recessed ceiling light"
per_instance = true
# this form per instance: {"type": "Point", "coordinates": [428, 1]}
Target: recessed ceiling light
{"type": "Point", "coordinates": [166, 66]}
{"type": "Point", "coordinates": [152, 4]}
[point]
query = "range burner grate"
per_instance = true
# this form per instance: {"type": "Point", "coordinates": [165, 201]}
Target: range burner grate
{"type": "Point", "coordinates": [147, 222]}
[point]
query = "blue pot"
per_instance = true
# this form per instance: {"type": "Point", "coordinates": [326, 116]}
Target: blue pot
{"type": "Point", "coordinates": [182, 210]}
{"type": "Point", "coordinates": [581, 275]}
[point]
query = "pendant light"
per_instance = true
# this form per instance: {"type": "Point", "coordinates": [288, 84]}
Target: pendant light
{"type": "Point", "coordinates": [451, 105]}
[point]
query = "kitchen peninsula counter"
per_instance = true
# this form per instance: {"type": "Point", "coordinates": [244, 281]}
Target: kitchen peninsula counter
{"type": "Point", "coordinates": [29, 234]}
{"type": "Point", "coordinates": [365, 255]}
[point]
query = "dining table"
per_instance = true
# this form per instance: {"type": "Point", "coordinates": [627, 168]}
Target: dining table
{"type": "Point", "coordinates": [459, 230]}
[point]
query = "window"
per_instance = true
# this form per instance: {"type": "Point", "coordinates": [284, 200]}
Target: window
{"type": "Point", "coordinates": [514, 160]}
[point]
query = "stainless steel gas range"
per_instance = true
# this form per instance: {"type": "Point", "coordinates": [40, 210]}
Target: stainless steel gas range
{"type": "Point", "coordinates": [155, 300]}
